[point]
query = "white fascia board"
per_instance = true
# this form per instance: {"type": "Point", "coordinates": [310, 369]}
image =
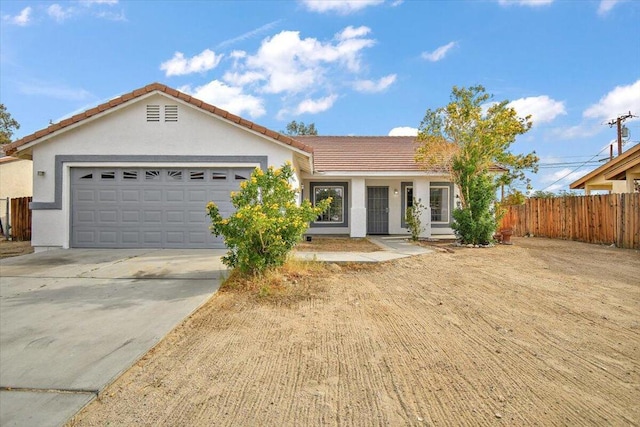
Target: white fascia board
{"type": "Point", "coordinates": [158, 165]}
{"type": "Point", "coordinates": [376, 174]}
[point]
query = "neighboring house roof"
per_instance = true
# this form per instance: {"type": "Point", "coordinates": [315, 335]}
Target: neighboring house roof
{"type": "Point", "coordinates": [8, 159]}
{"type": "Point", "coordinates": [612, 170]}
{"type": "Point", "coordinates": [362, 153]}
{"type": "Point", "coordinates": [153, 87]}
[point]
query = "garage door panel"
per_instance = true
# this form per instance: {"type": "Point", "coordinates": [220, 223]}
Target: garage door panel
{"type": "Point", "coordinates": [175, 217]}
{"type": "Point", "coordinates": [84, 216]}
{"type": "Point", "coordinates": [152, 217]}
{"type": "Point", "coordinates": [130, 217]}
{"type": "Point", "coordinates": [176, 195]}
{"type": "Point", "coordinates": [108, 217]}
{"type": "Point", "coordinates": [127, 195]}
{"type": "Point", "coordinates": [147, 207]}
{"type": "Point", "coordinates": [110, 195]}
{"type": "Point", "coordinates": [83, 195]}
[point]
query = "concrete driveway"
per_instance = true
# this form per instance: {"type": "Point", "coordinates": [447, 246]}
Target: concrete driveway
{"type": "Point", "coordinates": [71, 321]}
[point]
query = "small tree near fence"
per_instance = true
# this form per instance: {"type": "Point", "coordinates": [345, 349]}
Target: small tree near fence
{"type": "Point", "coordinates": [267, 222]}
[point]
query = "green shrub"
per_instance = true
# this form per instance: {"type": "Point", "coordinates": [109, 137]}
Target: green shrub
{"type": "Point", "coordinates": [267, 222]}
{"type": "Point", "coordinates": [414, 223]}
{"type": "Point", "coordinates": [477, 222]}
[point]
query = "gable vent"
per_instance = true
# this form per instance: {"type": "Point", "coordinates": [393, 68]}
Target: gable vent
{"type": "Point", "coordinates": [153, 113]}
{"type": "Point", "coordinates": [170, 113]}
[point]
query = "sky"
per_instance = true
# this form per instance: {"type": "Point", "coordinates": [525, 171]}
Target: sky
{"type": "Point", "coordinates": [368, 67]}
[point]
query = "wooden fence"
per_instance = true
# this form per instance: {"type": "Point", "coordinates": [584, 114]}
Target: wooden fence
{"type": "Point", "coordinates": [20, 218]}
{"type": "Point", "coordinates": [606, 219]}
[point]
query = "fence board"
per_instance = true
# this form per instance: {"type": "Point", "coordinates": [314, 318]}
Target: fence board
{"type": "Point", "coordinates": [20, 218]}
{"type": "Point", "coordinates": [605, 219]}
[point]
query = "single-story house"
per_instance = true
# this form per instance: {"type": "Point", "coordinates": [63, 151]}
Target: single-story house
{"type": "Point", "coordinates": [619, 175]}
{"type": "Point", "coordinates": [137, 171]}
{"type": "Point", "coordinates": [15, 181]}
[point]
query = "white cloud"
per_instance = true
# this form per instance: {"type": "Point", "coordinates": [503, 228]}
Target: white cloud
{"type": "Point", "coordinates": [621, 99]}
{"type": "Point", "coordinates": [372, 86]}
{"type": "Point", "coordinates": [396, 3]}
{"type": "Point", "coordinates": [574, 132]}
{"type": "Point", "coordinates": [541, 108]}
{"type": "Point", "coordinates": [229, 98]}
{"type": "Point", "coordinates": [60, 13]}
{"type": "Point", "coordinates": [291, 65]}
{"type": "Point", "coordinates": [439, 53]}
{"type": "Point", "coordinates": [403, 131]}
{"type": "Point", "coordinates": [606, 5]}
{"type": "Point", "coordinates": [242, 79]}
{"type": "Point", "coordinates": [314, 106]}
{"type": "Point", "coordinates": [563, 176]}
{"type": "Point", "coordinates": [342, 7]}
{"type": "Point", "coordinates": [249, 34]}
{"type": "Point", "coordinates": [22, 19]}
{"type": "Point", "coordinates": [179, 65]}
{"type": "Point", "coordinates": [531, 3]}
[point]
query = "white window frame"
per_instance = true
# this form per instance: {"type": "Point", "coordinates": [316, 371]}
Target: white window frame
{"type": "Point", "coordinates": [445, 200]}
{"type": "Point", "coordinates": [343, 216]}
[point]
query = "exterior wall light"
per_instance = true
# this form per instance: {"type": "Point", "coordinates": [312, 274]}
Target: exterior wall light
{"type": "Point", "coordinates": [40, 173]}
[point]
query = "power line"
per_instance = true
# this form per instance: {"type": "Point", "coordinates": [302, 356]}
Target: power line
{"type": "Point", "coordinates": [569, 173]}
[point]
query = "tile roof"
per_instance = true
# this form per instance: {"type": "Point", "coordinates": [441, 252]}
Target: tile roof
{"type": "Point", "coordinates": [362, 153]}
{"type": "Point", "coordinates": [13, 147]}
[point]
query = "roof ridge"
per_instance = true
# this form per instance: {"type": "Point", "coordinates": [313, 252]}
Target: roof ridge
{"type": "Point", "coordinates": [152, 87]}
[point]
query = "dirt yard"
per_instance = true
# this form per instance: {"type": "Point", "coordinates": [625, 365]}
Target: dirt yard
{"type": "Point", "coordinates": [544, 332]}
{"type": "Point", "coordinates": [9, 248]}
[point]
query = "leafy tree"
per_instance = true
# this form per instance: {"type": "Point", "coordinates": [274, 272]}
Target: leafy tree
{"type": "Point", "coordinates": [539, 194]}
{"type": "Point", "coordinates": [467, 140]}
{"type": "Point", "coordinates": [267, 222]}
{"type": "Point", "coordinates": [514, 197]}
{"type": "Point", "coordinates": [295, 128]}
{"type": "Point", "coordinates": [7, 125]}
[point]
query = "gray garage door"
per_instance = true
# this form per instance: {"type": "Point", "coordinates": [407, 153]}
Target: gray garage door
{"type": "Point", "coordinates": [149, 207]}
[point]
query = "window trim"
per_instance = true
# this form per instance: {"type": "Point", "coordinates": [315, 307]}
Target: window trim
{"type": "Point", "coordinates": [345, 202]}
{"type": "Point", "coordinates": [449, 187]}
{"type": "Point", "coordinates": [404, 186]}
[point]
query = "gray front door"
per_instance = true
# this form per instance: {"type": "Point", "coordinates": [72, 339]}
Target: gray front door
{"type": "Point", "coordinates": [377, 210]}
{"type": "Point", "coordinates": [150, 207]}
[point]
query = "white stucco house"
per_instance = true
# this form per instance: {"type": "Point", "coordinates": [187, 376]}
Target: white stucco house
{"type": "Point", "coordinates": [15, 181]}
{"type": "Point", "coordinates": [138, 170]}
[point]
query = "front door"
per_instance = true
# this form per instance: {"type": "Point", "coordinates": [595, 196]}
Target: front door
{"type": "Point", "coordinates": [377, 210]}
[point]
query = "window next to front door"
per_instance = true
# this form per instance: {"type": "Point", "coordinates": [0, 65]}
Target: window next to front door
{"type": "Point", "coordinates": [440, 203]}
{"type": "Point", "coordinates": [336, 214]}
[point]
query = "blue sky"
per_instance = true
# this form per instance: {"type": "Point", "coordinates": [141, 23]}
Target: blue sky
{"type": "Point", "coordinates": [367, 67]}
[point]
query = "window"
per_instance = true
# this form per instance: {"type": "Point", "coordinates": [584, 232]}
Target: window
{"type": "Point", "coordinates": [174, 175]}
{"type": "Point", "coordinates": [152, 175]}
{"type": "Point", "coordinates": [129, 175]}
{"type": "Point", "coordinates": [439, 203]}
{"type": "Point", "coordinates": [196, 175]}
{"type": "Point", "coordinates": [218, 175]}
{"type": "Point", "coordinates": [87, 176]}
{"type": "Point", "coordinates": [407, 202]}
{"type": "Point", "coordinates": [335, 212]}
{"type": "Point", "coordinates": [108, 175]}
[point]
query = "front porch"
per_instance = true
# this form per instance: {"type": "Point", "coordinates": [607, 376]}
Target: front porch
{"type": "Point", "coordinates": [377, 206]}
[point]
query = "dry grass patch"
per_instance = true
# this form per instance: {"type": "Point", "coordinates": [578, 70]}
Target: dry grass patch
{"type": "Point", "coordinates": [337, 244]}
{"type": "Point", "coordinates": [11, 248]}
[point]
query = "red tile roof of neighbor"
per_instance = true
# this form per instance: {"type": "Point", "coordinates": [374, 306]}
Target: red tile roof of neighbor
{"type": "Point", "coordinates": [13, 147]}
{"type": "Point", "coordinates": [362, 153]}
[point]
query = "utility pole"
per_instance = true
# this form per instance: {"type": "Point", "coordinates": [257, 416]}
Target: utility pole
{"type": "Point", "coordinates": [618, 122]}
